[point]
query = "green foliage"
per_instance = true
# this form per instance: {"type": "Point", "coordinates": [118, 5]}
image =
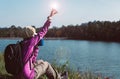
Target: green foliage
{"type": "Point", "coordinates": [2, 65]}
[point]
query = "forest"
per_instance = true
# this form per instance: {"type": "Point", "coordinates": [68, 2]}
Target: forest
{"type": "Point", "coordinates": [96, 30]}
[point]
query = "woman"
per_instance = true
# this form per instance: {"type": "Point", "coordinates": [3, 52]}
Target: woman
{"type": "Point", "coordinates": [33, 68]}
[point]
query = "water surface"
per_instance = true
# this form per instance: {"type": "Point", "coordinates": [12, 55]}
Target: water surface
{"type": "Point", "coordinates": [98, 57]}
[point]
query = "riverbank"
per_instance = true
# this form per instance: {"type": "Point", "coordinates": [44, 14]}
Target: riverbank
{"type": "Point", "coordinates": [46, 38]}
{"type": "Point", "coordinates": [71, 74]}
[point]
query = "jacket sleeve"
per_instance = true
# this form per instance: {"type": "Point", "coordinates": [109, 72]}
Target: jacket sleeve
{"type": "Point", "coordinates": [41, 33]}
{"type": "Point", "coordinates": [34, 40]}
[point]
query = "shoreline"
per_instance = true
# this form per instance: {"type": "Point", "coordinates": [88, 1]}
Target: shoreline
{"type": "Point", "coordinates": [61, 38]}
{"type": "Point", "coordinates": [45, 38]}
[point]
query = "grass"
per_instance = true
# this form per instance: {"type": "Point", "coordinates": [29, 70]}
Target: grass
{"type": "Point", "coordinates": [2, 65]}
{"type": "Point", "coordinates": [71, 73]}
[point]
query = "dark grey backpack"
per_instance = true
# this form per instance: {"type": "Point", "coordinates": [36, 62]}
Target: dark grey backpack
{"type": "Point", "coordinates": [13, 58]}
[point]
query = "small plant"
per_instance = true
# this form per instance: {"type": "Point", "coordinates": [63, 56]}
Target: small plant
{"type": "Point", "coordinates": [2, 64]}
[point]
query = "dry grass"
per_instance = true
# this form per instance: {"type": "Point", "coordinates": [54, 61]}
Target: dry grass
{"type": "Point", "coordinates": [71, 74]}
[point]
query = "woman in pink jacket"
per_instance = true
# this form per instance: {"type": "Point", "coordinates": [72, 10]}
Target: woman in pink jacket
{"type": "Point", "coordinates": [33, 68]}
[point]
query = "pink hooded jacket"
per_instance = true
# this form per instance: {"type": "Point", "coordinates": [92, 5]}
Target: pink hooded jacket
{"type": "Point", "coordinates": [30, 51]}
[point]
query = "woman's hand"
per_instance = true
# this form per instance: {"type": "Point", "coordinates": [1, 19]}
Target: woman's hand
{"type": "Point", "coordinates": [53, 12]}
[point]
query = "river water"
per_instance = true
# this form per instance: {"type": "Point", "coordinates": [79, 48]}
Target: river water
{"type": "Point", "coordinates": [98, 57]}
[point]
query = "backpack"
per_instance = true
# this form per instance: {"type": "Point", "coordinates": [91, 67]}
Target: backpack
{"type": "Point", "coordinates": [13, 58]}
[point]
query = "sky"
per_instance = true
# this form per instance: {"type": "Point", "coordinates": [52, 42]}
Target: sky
{"type": "Point", "coordinates": [34, 12]}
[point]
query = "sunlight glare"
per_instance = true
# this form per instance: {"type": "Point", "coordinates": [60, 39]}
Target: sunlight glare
{"type": "Point", "coordinates": [54, 5]}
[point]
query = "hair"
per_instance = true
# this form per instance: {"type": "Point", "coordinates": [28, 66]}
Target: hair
{"type": "Point", "coordinates": [30, 31]}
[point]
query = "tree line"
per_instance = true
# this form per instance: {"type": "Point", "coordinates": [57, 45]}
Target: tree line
{"type": "Point", "coordinates": [96, 30]}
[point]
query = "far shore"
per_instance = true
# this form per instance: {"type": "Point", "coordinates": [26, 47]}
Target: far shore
{"type": "Point", "coordinates": [46, 38]}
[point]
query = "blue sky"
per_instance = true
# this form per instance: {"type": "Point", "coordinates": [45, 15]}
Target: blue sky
{"type": "Point", "coordinates": [34, 12]}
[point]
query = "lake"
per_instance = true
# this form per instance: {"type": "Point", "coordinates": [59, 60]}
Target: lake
{"type": "Point", "coordinates": [97, 57]}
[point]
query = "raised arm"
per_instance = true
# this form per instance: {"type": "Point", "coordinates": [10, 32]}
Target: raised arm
{"type": "Point", "coordinates": [34, 40]}
{"type": "Point", "coordinates": [42, 32]}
